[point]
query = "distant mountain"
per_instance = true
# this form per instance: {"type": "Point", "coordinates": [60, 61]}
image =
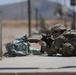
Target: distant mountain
{"type": "Point", "coordinates": [46, 8]}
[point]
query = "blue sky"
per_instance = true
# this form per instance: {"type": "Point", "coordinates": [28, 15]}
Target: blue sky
{"type": "Point", "coordinates": [4, 2]}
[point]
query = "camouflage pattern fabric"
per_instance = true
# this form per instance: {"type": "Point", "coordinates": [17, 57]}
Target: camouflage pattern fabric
{"type": "Point", "coordinates": [65, 44]}
{"type": "Point", "coordinates": [50, 51]}
{"type": "Point", "coordinates": [67, 49]}
{"type": "Point", "coordinates": [19, 46]}
{"type": "Point", "coordinates": [58, 27]}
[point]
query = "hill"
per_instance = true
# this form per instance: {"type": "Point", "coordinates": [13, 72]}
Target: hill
{"type": "Point", "coordinates": [20, 10]}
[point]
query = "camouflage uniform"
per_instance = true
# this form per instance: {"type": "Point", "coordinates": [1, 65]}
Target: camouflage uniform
{"type": "Point", "coordinates": [64, 44]}
{"type": "Point", "coordinates": [48, 49]}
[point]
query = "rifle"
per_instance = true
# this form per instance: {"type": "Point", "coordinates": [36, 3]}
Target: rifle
{"type": "Point", "coordinates": [33, 40]}
{"type": "Point", "coordinates": [46, 38]}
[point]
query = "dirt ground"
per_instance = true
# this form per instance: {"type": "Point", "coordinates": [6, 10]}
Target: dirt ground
{"type": "Point", "coordinates": [11, 33]}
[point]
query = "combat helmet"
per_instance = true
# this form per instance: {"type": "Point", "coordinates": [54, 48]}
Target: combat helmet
{"type": "Point", "coordinates": [58, 27]}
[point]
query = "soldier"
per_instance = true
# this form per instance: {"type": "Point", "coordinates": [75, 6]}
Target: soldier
{"type": "Point", "coordinates": [64, 43]}
{"type": "Point", "coordinates": [57, 31]}
{"type": "Point", "coordinates": [65, 40]}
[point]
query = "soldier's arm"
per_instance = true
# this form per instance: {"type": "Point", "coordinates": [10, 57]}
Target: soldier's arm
{"type": "Point", "coordinates": [58, 44]}
{"type": "Point", "coordinates": [46, 48]}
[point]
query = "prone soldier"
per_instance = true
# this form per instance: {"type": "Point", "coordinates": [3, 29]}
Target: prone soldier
{"type": "Point", "coordinates": [64, 41]}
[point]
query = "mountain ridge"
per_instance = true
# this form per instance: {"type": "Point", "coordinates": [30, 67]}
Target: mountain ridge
{"type": "Point", "coordinates": [19, 10]}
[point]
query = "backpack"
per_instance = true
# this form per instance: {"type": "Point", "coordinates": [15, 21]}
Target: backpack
{"type": "Point", "coordinates": [17, 47]}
